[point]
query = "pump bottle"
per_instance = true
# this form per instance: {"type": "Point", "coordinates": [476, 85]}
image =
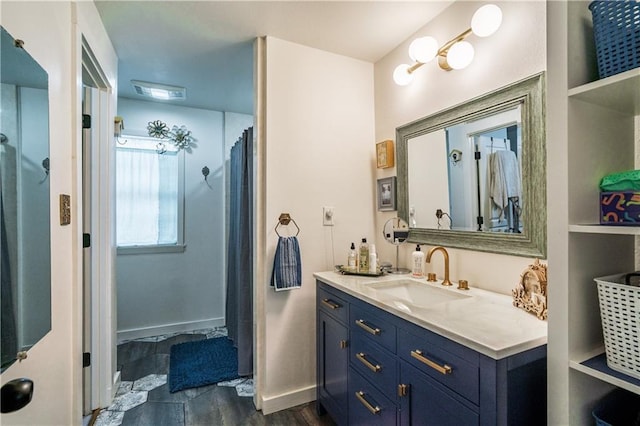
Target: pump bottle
{"type": "Point", "coordinates": [363, 258]}
{"type": "Point", "coordinates": [417, 260]}
{"type": "Point", "coordinates": [352, 259]}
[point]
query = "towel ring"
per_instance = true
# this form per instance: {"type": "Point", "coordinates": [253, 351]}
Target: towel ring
{"type": "Point", "coordinates": [285, 219]}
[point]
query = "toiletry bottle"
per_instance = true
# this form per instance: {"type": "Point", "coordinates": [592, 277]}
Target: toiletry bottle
{"type": "Point", "coordinates": [417, 258]}
{"type": "Point", "coordinates": [352, 259]}
{"type": "Point", "coordinates": [363, 264]}
{"type": "Point", "coordinates": [373, 259]}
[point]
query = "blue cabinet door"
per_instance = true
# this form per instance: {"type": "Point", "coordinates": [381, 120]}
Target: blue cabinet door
{"type": "Point", "coordinates": [428, 403]}
{"type": "Point", "coordinates": [333, 362]}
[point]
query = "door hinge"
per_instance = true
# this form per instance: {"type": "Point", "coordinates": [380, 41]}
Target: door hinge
{"type": "Point", "coordinates": [86, 359]}
{"type": "Point", "coordinates": [477, 155]}
{"type": "Point", "coordinates": [86, 121]}
{"type": "Point", "coordinates": [86, 240]}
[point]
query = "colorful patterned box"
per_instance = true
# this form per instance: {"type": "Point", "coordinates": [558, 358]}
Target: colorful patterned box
{"type": "Point", "coordinates": [620, 208]}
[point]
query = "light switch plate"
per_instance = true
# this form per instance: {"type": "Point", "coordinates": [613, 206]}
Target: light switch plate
{"type": "Point", "coordinates": [65, 209]}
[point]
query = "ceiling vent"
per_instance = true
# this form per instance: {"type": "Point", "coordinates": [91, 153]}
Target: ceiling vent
{"type": "Point", "coordinates": [159, 91]}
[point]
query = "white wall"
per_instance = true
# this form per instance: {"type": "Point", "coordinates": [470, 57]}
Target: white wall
{"type": "Point", "coordinates": [179, 291]}
{"type": "Point", "coordinates": [516, 51]}
{"type": "Point", "coordinates": [320, 151]}
{"type": "Point", "coordinates": [52, 34]}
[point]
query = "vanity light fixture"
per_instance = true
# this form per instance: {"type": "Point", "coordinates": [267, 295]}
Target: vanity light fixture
{"type": "Point", "coordinates": [159, 91]}
{"type": "Point", "coordinates": [456, 53]}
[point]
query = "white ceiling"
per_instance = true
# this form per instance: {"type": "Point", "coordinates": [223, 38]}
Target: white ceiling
{"type": "Point", "coordinates": [206, 46]}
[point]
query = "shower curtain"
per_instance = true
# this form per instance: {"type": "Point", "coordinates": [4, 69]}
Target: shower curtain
{"type": "Point", "coordinates": [239, 303]}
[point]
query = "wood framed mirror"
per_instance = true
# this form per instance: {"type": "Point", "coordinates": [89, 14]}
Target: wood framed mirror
{"type": "Point", "coordinates": [473, 176]}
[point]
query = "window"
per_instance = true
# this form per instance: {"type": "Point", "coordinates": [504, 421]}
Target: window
{"type": "Point", "coordinates": [149, 196]}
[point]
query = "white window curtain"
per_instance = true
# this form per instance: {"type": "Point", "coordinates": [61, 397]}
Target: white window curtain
{"type": "Point", "coordinates": [146, 195]}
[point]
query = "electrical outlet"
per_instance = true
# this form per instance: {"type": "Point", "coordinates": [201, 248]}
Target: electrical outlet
{"type": "Point", "coordinates": [327, 216]}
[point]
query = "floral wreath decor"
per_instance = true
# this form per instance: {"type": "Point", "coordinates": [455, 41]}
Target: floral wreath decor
{"type": "Point", "coordinates": [158, 129]}
{"type": "Point", "coordinates": [181, 137]}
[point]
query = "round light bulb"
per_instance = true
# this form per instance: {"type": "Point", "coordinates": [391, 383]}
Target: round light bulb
{"type": "Point", "coordinates": [460, 55]}
{"type": "Point", "coordinates": [401, 75]}
{"type": "Point", "coordinates": [486, 20]}
{"type": "Point", "coordinates": [423, 49]}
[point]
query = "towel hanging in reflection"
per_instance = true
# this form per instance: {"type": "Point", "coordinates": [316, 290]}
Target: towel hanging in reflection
{"type": "Point", "coordinates": [504, 178]}
{"type": "Point", "coordinates": [287, 267]}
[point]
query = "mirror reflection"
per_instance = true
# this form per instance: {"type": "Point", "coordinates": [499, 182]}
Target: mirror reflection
{"type": "Point", "coordinates": [396, 232]}
{"type": "Point", "coordinates": [25, 270]}
{"type": "Point", "coordinates": [474, 176]}
{"type": "Point", "coordinates": [482, 162]}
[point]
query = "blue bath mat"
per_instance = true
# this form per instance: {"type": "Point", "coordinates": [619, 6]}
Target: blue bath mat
{"type": "Point", "coordinates": [202, 362]}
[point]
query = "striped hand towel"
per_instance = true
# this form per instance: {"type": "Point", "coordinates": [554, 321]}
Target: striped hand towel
{"type": "Point", "coordinates": [287, 267]}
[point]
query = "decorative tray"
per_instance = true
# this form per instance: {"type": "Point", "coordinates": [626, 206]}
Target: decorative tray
{"type": "Point", "coordinates": [345, 270]}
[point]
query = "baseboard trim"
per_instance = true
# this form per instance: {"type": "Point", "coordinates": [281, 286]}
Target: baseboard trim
{"type": "Point", "coordinates": [288, 400]}
{"type": "Point", "coordinates": [139, 333]}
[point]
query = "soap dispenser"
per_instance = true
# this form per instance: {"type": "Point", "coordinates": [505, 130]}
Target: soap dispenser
{"type": "Point", "coordinates": [352, 259]}
{"type": "Point", "coordinates": [417, 258]}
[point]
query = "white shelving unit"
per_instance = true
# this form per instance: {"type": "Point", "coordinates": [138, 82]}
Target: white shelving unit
{"type": "Point", "coordinates": [591, 133]}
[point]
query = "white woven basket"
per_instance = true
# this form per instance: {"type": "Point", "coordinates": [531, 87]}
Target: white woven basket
{"type": "Point", "coordinates": [620, 314]}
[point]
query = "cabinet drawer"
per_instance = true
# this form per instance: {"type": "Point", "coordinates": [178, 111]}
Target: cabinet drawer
{"type": "Point", "coordinates": [374, 363]}
{"type": "Point", "coordinates": [456, 373]}
{"type": "Point", "coordinates": [332, 304]}
{"type": "Point", "coordinates": [367, 405]}
{"type": "Point", "coordinates": [366, 322]}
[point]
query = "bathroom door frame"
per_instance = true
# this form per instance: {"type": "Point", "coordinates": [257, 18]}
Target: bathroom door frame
{"type": "Point", "coordinates": [100, 379]}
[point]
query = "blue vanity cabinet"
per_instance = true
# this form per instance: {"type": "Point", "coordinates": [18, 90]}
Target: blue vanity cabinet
{"type": "Point", "coordinates": [395, 372]}
{"type": "Point", "coordinates": [332, 341]}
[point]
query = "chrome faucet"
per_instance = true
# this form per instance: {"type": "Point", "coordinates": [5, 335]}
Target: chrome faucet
{"type": "Point", "coordinates": [446, 262]}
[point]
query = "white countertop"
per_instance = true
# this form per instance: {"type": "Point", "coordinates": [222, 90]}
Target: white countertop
{"type": "Point", "coordinates": [486, 322]}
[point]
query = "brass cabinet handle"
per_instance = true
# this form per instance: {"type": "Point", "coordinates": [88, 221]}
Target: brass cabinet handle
{"type": "Point", "coordinates": [343, 344]}
{"type": "Point", "coordinates": [363, 359]}
{"type": "Point", "coordinates": [368, 328]}
{"type": "Point", "coordinates": [371, 408]}
{"type": "Point", "coordinates": [330, 303]}
{"type": "Point", "coordinates": [403, 390]}
{"type": "Point", "coordinates": [444, 369]}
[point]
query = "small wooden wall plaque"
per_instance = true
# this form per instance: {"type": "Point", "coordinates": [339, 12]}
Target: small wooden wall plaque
{"type": "Point", "coordinates": [384, 154]}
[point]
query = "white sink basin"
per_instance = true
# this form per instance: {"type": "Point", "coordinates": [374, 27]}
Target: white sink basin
{"type": "Point", "coordinates": [417, 294]}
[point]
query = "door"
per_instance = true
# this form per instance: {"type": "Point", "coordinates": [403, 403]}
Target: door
{"type": "Point", "coordinates": [428, 403]}
{"type": "Point", "coordinates": [87, 107]}
{"type": "Point", "coordinates": [98, 290]}
{"type": "Point", "coordinates": [333, 362]}
{"type": "Point", "coordinates": [486, 146]}
{"type": "Point", "coordinates": [54, 35]}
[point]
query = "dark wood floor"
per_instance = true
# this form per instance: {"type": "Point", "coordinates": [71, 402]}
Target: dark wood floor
{"type": "Point", "coordinates": [204, 406]}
